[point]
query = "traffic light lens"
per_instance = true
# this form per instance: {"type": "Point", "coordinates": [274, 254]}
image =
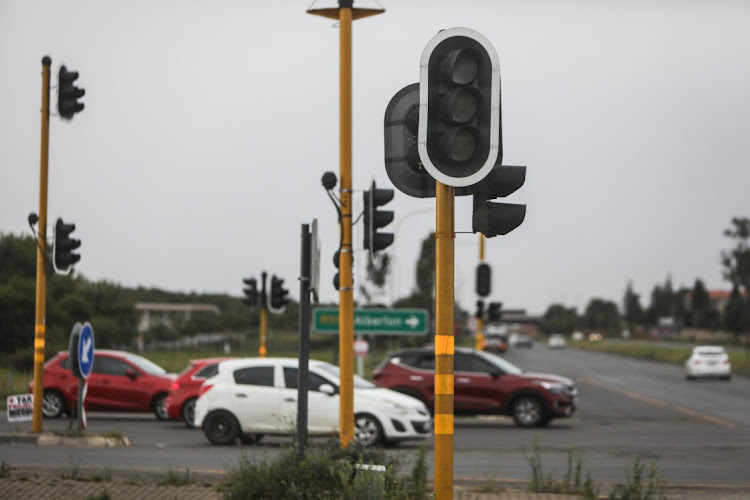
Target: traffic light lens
{"type": "Point", "coordinates": [412, 159]}
{"type": "Point", "coordinates": [460, 66]}
{"type": "Point", "coordinates": [412, 120]}
{"type": "Point", "coordinates": [459, 144]}
{"type": "Point", "coordinates": [461, 105]}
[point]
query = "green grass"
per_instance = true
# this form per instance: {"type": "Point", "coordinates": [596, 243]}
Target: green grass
{"type": "Point", "coordinates": [668, 353]}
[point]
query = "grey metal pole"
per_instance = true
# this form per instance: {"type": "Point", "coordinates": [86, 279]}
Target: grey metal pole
{"type": "Point", "coordinates": [304, 340]}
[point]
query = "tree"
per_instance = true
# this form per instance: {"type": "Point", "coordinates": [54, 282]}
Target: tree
{"type": "Point", "coordinates": [560, 319]}
{"type": "Point", "coordinates": [423, 293]}
{"type": "Point", "coordinates": [734, 319]}
{"type": "Point", "coordinates": [602, 315]}
{"type": "Point", "coordinates": [378, 269]}
{"type": "Point", "coordinates": [736, 262]}
{"type": "Point", "coordinates": [700, 306]}
{"type": "Point", "coordinates": [632, 306]}
{"type": "Point", "coordinates": [662, 302]}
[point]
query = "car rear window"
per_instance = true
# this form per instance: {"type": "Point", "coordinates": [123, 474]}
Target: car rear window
{"type": "Point", "coordinates": [254, 375]}
{"type": "Point", "coordinates": [207, 371]}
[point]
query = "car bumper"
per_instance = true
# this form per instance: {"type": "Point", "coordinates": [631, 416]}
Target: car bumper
{"type": "Point", "coordinates": [407, 427]}
{"type": "Point", "coordinates": [709, 371]}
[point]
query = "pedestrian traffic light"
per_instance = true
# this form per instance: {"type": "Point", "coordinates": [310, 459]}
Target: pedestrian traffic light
{"type": "Point", "coordinates": [495, 311]}
{"type": "Point", "coordinates": [63, 246]}
{"type": "Point", "coordinates": [68, 94]}
{"type": "Point", "coordinates": [492, 219]}
{"type": "Point", "coordinates": [278, 299]}
{"type": "Point", "coordinates": [460, 133]}
{"type": "Point", "coordinates": [479, 314]}
{"type": "Point", "coordinates": [336, 279]}
{"type": "Point", "coordinates": [375, 219]}
{"type": "Point", "coordinates": [251, 291]}
{"type": "Point", "coordinates": [484, 279]}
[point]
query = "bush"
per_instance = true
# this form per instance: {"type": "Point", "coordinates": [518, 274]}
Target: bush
{"type": "Point", "coordinates": [323, 473]}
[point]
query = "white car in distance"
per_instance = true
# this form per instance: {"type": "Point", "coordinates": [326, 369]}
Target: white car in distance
{"type": "Point", "coordinates": [251, 397]}
{"type": "Point", "coordinates": [708, 361]}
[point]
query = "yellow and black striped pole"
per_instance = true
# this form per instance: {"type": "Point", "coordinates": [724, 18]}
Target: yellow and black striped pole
{"type": "Point", "coordinates": [41, 255]}
{"type": "Point", "coordinates": [263, 315]}
{"type": "Point", "coordinates": [444, 341]}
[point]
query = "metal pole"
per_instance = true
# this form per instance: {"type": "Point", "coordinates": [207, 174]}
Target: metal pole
{"type": "Point", "coordinates": [304, 340]}
{"type": "Point", "coordinates": [444, 340]}
{"type": "Point", "coordinates": [346, 290]}
{"type": "Point", "coordinates": [41, 255]}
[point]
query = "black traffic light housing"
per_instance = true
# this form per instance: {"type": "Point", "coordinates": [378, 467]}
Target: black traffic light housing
{"type": "Point", "coordinates": [277, 299]}
{"type": "Point", "coordinates": [479, 314]}
{"type": "Point", "coordinates": [493, 219]}
{"type": "Point", "coordinates": [68, 94]}
{"type": "Point", "coordinates": [251, 291]}
{"type": "Point", "coordinates": [460, 132]}
{"type": "Point", "coordinates": [375, 219]}
{"type": "Point", "coordinates": [63, 246]}
{"type": "Point", "coordinates": [484, 279]}
{"type": "Point", "coordinates": [495, 311]}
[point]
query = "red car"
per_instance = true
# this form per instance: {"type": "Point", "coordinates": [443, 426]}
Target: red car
{"type": "Point", "coordinates": [483, 384]}
{"type": "Point", "coordinates": [119, 381]}
{"type": "Point", "coordinates": [180, 402]}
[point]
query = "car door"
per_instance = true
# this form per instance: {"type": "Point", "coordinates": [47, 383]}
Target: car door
{"type": "Point", "coordinates": [477, 386]}
{"type": "Point", "coordinates": [322, 408]}
{"type": "Point", "coordinates": [254, 398]}
{"type": "Point", "coordinates": [113, 385]}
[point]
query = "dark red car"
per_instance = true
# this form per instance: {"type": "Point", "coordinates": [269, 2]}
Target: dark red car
{"type": "Point", "coordinates": [119, 381]}
{"type": "Point", "coordinates": [180, 402]}
{"type": "Point", "coordinates": [483, 384]}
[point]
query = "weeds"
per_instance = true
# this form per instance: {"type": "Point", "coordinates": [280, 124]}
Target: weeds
{"type": "Point", "coordinates": [327, 473]}
{"type": "Point", "coordinates": [571, 482]}
{"type": "Point", "coordinates": [635, 489]}
{"type": "Point", "coordinates": [4, 470]}
{"type": "Point", "coordinates": [174, 478]}
{"type": "Point", "coordinates": [102, 495]}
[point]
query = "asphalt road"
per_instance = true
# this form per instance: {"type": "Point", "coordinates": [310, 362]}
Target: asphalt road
{"type": "Point", "coordinates": [698, 432]}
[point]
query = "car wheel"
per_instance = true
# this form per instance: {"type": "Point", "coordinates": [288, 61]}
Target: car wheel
{"type": "Point", "coordinates": [528, 411]}
{"type": "Point", "coordinates": [726, 377]}
{"type": "Point", "coordinates": [187, 413]}
{"type": "Point", "coordinates": [53, 404]}
{"type": "Point", "coordinates": [367, 430]}
{"type": "Point", "coordinates": [220, 427]}
{"type": "Point", "coordinates": [689, 377]}
{"type": "Point", "coordinates": [159, 408]}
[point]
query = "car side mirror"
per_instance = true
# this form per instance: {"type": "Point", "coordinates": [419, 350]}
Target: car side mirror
{"type": "Point", "coordinates": [327, 389]}
{"type": "Point", "coordinates": [131, 374]}
{"type": "Point", "coordinates": [495, 373]}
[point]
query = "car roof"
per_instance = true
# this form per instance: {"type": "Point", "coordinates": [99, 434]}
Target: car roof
{"type": "Point", "coordinates": [418, 350]}
{"type": "Point", "coordinates": [708, 349]}
{"type": "Point", "coordinates": [232, 364]}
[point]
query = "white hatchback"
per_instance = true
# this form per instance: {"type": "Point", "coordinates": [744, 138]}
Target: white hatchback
{"type": "Point", "coordinates": [251, 397]}
{"type": "Point", "coordinates": [708, 361]}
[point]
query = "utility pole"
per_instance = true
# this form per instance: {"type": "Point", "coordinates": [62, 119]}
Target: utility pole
{"type": "Point", "coordinates": [263, 314]}
{"type": "Point", "coordinates": [345, 14]}
{"type": "Point", "coordinates": [479, 337]}
{"type": "Point", "coordinates": [41, 255]}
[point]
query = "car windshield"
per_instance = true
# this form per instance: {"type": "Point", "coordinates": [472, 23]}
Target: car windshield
{"type": "Point", "coordinates": [145, 365]}
{"type": "Point", "coordinates": [359, 382]}
{"type": "Point", "coordinates": [505, 366]}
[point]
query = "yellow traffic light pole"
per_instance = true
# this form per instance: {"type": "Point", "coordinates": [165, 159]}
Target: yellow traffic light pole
{"type": "Point", "coordinates": [41, 255]}
{"type": "Point", "coordinates": [479, 338]}
{"type": "Point", "coordinates": [262, 348]}
{"type": "Point", "coordinates": [345, 14]}
{"type": "Point", "coordinates": [444, 340]}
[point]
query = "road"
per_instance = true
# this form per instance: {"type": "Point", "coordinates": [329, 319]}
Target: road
{"type": "Point", "coordinates": [698, 432]}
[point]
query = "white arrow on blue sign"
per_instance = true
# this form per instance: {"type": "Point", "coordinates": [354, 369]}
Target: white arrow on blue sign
{"type": "Point", "coordinates": [86, 350]}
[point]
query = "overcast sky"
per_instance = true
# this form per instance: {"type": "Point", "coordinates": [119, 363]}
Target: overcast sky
{"type": "Point", "coordinates": [208, 126]}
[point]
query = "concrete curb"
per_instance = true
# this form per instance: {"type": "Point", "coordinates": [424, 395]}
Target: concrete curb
{"type": "Point", "coordinates": [54, 440]}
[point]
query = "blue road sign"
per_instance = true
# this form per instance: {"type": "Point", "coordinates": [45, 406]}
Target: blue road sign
{"type": "Point", "coordinates": [86, 350]}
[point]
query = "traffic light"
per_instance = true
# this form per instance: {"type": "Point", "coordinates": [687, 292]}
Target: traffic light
{"type": "Point", "coordinates": [336, 279]}
{"type": "Point", "coordinates": [64, 246]}
{"type": "Point", "coordinates": [460, 134]}
{"type": "Point", "coordinates": [278, 299]}
{"type": "Point", "coordinates": [480, 310]}
{"type": "Point", "coordinates": [402, 162]}
{"type": "Point", "coordinates": [68, 94]}
{"type": "Point", "coordinates": [251, 291]}
{"type": "Point", "coordinates": [495, 311]}
{"type": "Point", "coordinates": [484, 279]}
{"type": "Point", "coordinates": [492, 219]}
{"type": "Point", "coordinates": [376, 219]}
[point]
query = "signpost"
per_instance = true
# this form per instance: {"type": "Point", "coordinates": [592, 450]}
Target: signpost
{"type": "Point", "coordinates": [387, 322]}
{"type": "Point", "coordinates": [81, 348]}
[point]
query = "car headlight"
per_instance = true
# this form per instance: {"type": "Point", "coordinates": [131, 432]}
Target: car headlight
{"type": "Point", "coordinates": [553, 388]}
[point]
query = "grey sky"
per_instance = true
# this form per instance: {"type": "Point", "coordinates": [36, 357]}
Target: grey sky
{"type": "Point", "coordinates": [208, 125]}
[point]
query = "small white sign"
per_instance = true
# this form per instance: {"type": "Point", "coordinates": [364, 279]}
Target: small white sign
{"type": "Point", "coordinates": [20, 408]}
{"type": "Point", "coordinates": [361, 348]}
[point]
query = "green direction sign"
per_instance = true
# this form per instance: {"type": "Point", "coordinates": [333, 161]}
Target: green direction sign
{"type": "Point", "coordinates": [374, 321]}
